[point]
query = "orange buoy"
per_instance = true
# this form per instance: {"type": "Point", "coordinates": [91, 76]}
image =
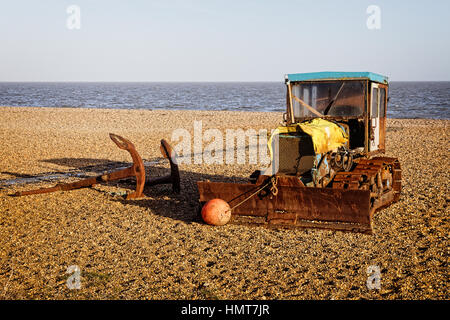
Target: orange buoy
{"type": "Point", "coordinates": [216, 212]}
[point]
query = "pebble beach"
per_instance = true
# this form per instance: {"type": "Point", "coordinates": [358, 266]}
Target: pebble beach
{"type": "Point", "coordinates": [158, 247]}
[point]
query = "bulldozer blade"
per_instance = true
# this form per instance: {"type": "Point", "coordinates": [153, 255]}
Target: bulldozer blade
{"type": "Point", "coordinates": [295, 206]}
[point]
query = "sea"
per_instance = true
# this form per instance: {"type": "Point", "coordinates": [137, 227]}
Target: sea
{"type": "Point", "coordinates": [406, 99]}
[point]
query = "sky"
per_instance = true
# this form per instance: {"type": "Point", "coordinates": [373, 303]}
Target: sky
{"type": "Point", "coordinates": [232, 40]}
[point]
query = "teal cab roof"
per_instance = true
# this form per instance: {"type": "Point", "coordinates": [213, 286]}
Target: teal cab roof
{"type": "Point", "coordinates": [333, 75]}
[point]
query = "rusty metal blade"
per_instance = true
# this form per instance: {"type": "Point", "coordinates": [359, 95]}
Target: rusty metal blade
{"type": "Point", "coordinates": [294, 203]}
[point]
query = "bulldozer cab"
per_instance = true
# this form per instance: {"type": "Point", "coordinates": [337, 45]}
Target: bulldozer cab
{"type": "Point", "coordinates": [355, 100]}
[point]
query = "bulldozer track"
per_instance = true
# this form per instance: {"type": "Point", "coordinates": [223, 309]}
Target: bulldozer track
{"type": "Point", "coordinates": [380, 175]}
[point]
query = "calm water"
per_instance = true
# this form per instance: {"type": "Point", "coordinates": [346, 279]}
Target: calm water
{"type": "Point", "coordinates": [407, 99]}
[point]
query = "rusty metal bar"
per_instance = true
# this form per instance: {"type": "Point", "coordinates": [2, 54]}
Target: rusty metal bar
{"type": "Point", "coordinates": [136, 170]}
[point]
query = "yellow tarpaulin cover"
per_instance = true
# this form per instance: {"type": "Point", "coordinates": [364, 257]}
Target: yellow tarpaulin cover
{"type": "Point", "coordinates": [326, 135]}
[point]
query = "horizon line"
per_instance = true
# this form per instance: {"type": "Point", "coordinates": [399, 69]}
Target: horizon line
{"type": "Point", "coordinates": [176, 81]}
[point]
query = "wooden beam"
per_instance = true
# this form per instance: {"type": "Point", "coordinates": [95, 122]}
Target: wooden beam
{"type": "Point", "coordinates": [291, 108]}
{"type": "Point", "coordinates": [303, 103]}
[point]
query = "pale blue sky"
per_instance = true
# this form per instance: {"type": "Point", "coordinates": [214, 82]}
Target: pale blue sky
{"type": "Point", "coordinates": [209, 40]}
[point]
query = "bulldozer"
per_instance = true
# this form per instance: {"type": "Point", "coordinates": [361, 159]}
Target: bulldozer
{"type": "Point", "coordinates": [327, 167]}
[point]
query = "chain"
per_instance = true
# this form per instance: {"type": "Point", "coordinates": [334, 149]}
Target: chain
{"type": "Point", "coordinates": [273, 180]}
{"type": "Point", "coordinates": [273, 188]}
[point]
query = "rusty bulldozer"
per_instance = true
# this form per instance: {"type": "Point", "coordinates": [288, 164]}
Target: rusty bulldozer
{"type": "Point", "coordinates": [326, 166]}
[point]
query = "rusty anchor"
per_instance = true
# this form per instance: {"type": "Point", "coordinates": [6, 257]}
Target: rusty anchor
{"type": "Point", "coordinates": [174, 177]}
{"type": "Point", "coordinates": [137, 170]}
